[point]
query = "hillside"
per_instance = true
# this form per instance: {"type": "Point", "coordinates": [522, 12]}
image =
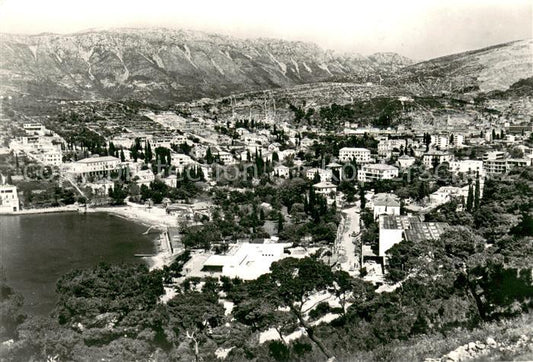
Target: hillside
{"type": "Point", "coordinates": [162, 65]}
{"type": "Point", "coordinates": [483, 70]}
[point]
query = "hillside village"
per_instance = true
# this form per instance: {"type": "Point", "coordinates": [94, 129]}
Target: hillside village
{"type": "Point", "coordinates": [325, 218]}
{"type": "Point", "coordinates": [388, 179]}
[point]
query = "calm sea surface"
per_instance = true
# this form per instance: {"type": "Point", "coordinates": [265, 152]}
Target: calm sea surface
{"type": "Point", "coordinates": [36, 250]}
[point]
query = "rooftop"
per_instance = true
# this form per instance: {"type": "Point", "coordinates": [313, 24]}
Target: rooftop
{"type": "Point", "coordinates": [379, 166]}
{"type": "Point", "coordinates": [323, 185]}
{"type": "Point", "coordinates": [354, 149]}
{"type": "Point", "coordinates": [384, 199]}
{"type": "Point", "coordinates": [413, 227]}
{"type": "Point", "coordinates": [99, 159]}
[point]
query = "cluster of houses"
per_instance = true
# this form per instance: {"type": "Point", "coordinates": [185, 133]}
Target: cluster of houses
{"type": "Point", "coordinates": [397, 151]}
{"type": "Point", "coordinates": [40, 144]}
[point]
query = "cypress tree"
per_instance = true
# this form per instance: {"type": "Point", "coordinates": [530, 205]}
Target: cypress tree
{"type": "Point", "coordinates": [362, 196]}
{"type": "Point", "coordinates": [469, 199]}
{"type": "Point", "coordinates": [280, 222]}
{"type": "Point", "coordinates": [477, 194]}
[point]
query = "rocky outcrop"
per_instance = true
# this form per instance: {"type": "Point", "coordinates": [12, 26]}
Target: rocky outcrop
{"type": "Point", "coordinates": [479, 350]}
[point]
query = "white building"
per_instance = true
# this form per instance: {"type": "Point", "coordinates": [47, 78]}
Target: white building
{"type": "Point", "coordinates": [373, 172]}
{"type": "Point", "coordinates": [52, 156]}
{"type": "Point", "coordinates": [95, 166]}
{"type": "Point", "coordinates": [171, 181]}
{"type": "Point", "coordinates": [386, 146]}
{"type": "Point", "coordinates": [458, 140]}
{"type": "Point", "coordinates": [433, 158]}
{"type": "Point", "coordinates": [446, 193]}
{"type": "Point", "coordinates": [326, 189]}
{"type": "Point", "coordinates": [246, 261]}
{"type": "Point", "coordinates": [466, 166]}
{"type": "Point", "coordinates": [360, 155]}
{"type": "Point", "coordinates": [282, 171]}
{"type": "Point", "coordinates": [226, 158]}
{"type": "Point", "coordinates": [180, 160]}
{"type": "Point", "coordinates": [393, 229]}
{"type": "Point", "coordinates": [405, 161]}
{"type": "Point", "coordinates": [325, 175]}
{"type": "Point", "coordinates": [386, 204]}
{"type": "Point", "coordinates": [144, 177]}
{"type": "Point", "coordinates": [440, 141]}
{"type": "Point", "coordinates": [35, 129]}
{"type": "Point", "coordinates": [9, 200]}
{"type": "Point", "coordinates": [283, 155]}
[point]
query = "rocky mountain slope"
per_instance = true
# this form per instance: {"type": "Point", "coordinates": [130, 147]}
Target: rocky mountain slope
{"type": "Point", "coordinates": [162, 65]}
{"type": "Point", "coordinates": [494, 68]}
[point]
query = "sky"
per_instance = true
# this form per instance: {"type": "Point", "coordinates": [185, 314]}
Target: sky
{"type": "Point", "coordinates": [413, 28]}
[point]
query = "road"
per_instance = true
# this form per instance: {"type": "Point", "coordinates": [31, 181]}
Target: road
{"type": "Point", "coordinates": [344, 247]}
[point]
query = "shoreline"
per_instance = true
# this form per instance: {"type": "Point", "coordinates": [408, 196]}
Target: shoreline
{"type": "Point", "coordinates": [153, 218]}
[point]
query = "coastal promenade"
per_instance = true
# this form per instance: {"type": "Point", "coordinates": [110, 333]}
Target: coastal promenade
{"type": "Point", "coordinates": [48, 210]}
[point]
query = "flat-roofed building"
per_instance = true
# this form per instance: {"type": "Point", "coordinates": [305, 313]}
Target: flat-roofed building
{"type": "Point", "coordinates": [376, 171]}
{"type": "Point", "coordinates": [34, 129]}
{"type": "Point", "coordinates": [466, 166]}
{"type": "Point", "coordinates": [324, 174]}
{"type": "Point", "coordinates": [446, 193]}
{"type": "Point", "coordinates": [360, 155]}
{"type": "Point", "coordinates": [387, 146]}
{"type": "Point", "coordinates": [282, 171]}
{"type": "Point", "coordinates": [51, 157]}
{"type": "Point", "coordinates": [433, 158]}
{"type": "Point", "coordinates": [496, 162]}
{"type": "Point", "coordinates": [9, 200]}
{"type": "Point", "coordinates": [226, 157]}
{"type": "Point", "coordinates": [395, 228]}
{"type": "Point", "coordinates": [246, 261]}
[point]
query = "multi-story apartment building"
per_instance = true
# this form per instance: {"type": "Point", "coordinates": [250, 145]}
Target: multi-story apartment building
{"type": "Point", "coordinates": [325, 175]}
{"type": "Point", "coordinates": [50, 157]}
{"type": "Point", "coordinates": [440, 141]}
{"type": "Point", "coordinates": [360, 155]}
{"type": "Point", "coordinates": [374, 172]}
{"type": "Point", "coordinates": [95, 166]}
{"type": "Point", "coordinates": [386, 146]}
{"type": "Point", "coordinates": [466, 167]}
{"type": "Point", "coordinates": [433, 158]}
{"type": "Point", "coordinates": [34, 129]}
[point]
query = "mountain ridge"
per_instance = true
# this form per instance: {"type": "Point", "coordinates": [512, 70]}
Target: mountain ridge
{"type": "Point", "coordinates": [171, 64]}
{"type": "Point", "coordinates": [163, 65]}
